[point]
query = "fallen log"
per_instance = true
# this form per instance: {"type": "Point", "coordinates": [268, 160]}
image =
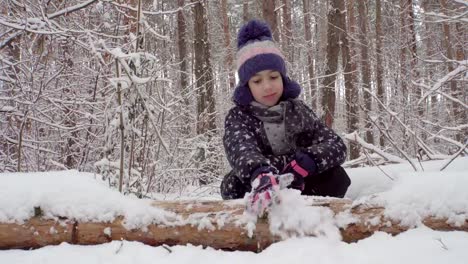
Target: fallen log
{"type": "Point", "coordinates": [216, 224]}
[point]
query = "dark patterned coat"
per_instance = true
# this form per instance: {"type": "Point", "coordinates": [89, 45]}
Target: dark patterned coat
{"type": "Point", "coordinates": [247, 147]}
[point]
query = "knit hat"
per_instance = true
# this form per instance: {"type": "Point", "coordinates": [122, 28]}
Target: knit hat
{"type": "Point", "coordinates": [256, 51]}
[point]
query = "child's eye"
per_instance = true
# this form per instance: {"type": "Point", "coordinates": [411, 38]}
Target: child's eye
{"type": "Point", "coordinates": [256, 81]}
{"type": "Point", "coordinates": [274, 77]}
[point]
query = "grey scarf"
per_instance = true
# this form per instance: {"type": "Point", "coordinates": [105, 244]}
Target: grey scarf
{"type": "Point", "coordinates": [273, 119]}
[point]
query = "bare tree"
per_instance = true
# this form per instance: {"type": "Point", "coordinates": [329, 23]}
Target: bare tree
{"type": "Point", "coordinates": [337, 22]}
{"type": "Point", "coordinates": [310, 52]}
{"type": "Point", "coordinates": [182, 48]}
{"type": "Point", "coordinates": [447, 41]}
{"type": "Point", "coordinates": [203, 72]}
{"type": "Point", "coordinates": [269, 15]}
{"type": "Point", "coordinates": [245, 11]}
{"type": "Point", "coordinates": [287, 30]}
{"type": "Point", "coordinates": [379, 62]}
{"type": "Point", "coordinates": [349, 65]}
{"type": "Point", "coordinates": [229, 64]}
{"type": "Point", "coordinates": [365, 67]}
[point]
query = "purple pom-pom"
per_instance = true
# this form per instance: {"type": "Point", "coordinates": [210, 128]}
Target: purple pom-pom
{"type": "Point", "coordinates": [253, 30]}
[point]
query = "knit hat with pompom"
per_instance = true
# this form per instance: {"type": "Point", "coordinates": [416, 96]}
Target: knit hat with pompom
{"type": "Point", "coordinates": [256, 52]}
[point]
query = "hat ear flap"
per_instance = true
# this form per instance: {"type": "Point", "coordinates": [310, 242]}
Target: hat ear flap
{"type": "Point", "coordinates": [242, 95]}
{"type": "Point", "coordinates": [291, 89]}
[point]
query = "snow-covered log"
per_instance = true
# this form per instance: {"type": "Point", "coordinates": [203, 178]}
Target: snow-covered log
{"type": "Point", "coordinates": [217, 224]}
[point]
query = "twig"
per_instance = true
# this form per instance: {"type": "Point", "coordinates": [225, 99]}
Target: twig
{"type": "Point", "coordinates": [393, 143]}
{"type": "Point", "coordinates": [442, 243]}
{"type": "Point", "coordinates": [376, 165]}
{"type": "Point", "coordinates": [143, 101]}
{"type": "Point", "coordinates": [167, 248]}
{"type": "Point", "coordinates": [120, 247]}
{"type": "Point", "coordinates": [454, 156]}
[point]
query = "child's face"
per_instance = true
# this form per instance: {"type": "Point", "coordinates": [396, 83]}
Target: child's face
{"type": "Point", "coordinates": [266, 87]}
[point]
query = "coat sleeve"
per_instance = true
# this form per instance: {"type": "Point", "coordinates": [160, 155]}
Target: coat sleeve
{"type": "Point", "coordinates": [242, 147]}
{"type": "Point", "coordinates": [327, 149]}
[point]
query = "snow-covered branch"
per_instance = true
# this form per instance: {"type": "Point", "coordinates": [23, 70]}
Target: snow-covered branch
{"type": "Point", "coordinates": [16, 142]}
{"type": "Point", "coordinates": [146, 12]}
{"type": "Point", "coordinates": [460, 69]}
{"type": "Point", "coordinates": [445, 18]}
{"type": "Point", "coordinates": [71, 9]}
{"type": "Point", "coordinates": [354, 137]}
{"type": "Point", "coordinates": [394, 115]}
{"type": "Point", "coordinates": [449, 97]}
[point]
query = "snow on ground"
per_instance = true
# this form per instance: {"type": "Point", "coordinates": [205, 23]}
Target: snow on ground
{"type": "Point", "coordinates": [419, 245]}
{"type": "Point", "coordinates": [410, 196]}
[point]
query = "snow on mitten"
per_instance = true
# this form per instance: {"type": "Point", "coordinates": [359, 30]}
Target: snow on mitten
{"type": "Point", "coordinates": [261, 197]}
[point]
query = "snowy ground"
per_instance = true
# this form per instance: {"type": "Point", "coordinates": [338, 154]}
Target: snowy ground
{"type": "Point", "coordinates": [410, 196]}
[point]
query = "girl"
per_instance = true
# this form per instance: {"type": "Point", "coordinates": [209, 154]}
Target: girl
{"type": "Point", "coordinates": [270, 132]}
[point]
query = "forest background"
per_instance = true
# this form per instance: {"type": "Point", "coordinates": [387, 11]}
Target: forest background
{"type": "Point", "coordinates": [137, 90]}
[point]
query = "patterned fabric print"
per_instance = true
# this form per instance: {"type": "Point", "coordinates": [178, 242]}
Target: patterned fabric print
{"type": "Point", "coordinates": [247, 146]}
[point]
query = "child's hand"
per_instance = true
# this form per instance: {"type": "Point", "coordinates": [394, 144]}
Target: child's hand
{"type": "Point", "coordinates": [262, 192]}
{"type": "Point", "coordinates": [263, 182]}
{"type": "Point", "coordinates": [299, 175]}
{"type": "Point", "coordinates": [300, 167]}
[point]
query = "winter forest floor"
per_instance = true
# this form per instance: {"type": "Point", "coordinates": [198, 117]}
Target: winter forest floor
{"type": "Point", "coordinates": [408, 197]}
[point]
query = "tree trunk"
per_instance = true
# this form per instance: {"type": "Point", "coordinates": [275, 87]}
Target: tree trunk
{"type": "Point", "coordinates": [379, 62]}
{"type": "Point", "coordinates": [208, 223]}
{"type": "Point", "coordinates": [11, 50]}
{"type": "Point", "coordinates": [365, 69]}
{"type": "Point", "coordinates": [206, 113]}
{"type": "Point", "coordinates": [287, 30]}
{"type": "Point", "coordinates": [121, 126]}
{"type": "Point", "coordinates": [245, 11]}
{"type": "Point", "coordinates": [336, 25]}
{"type": "Point", "coordinates": [310, 53]}
{"type": "Point", "coordinates": [403, 68]}
{"type": "Point", "coordinates": [462, 94]}
{"type": "Point", "coordinates": [447, 41]}
{"type": "Point", "coordinates": [352, 94]}
{"type": "Point", "coordinates": [182, 48]}
{"type": "Point", "coordinates": [229, 63]}
{"type": "Point", "coordinates": [432, 113]}
{"type": "Point", "coordinates": [414, 72]}
{"type": "Point", "coordinates": [269, 15]}
{"type": "Point", "coordinates": [203, 72]}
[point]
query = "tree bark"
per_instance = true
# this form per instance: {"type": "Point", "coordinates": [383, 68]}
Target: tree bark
{"type": "Point", "coordinates": [352, 94]}
{"type": "Point", "coordinates": [447, 41]}
{"type": "Point", "coordinates": [182, 48]}
{"type": "Point", "coordinates": [269, 15]}
{"type": "Point", "coordinates": [245, 11]}
{"type": "Point", "coordinates": [336, 25]}
{"type": "Point", "coordinates": [206, 108]}
{"type": "Point", "coordinates": [203, 72]}
{"type": "Point", "coordinates": [227, 44]}
{"type": "Point", "coordinates": [415, 91]}
{"type": "Point", "coordinates": [121, 126]}
{"type": "Point", "coordinates": [222, 216]}
{"type": "Point", "coordinates": [310, 53]}
{"type": "Point", "coordinates": [462, 94]}
{"type": "Point", "coordinates": [287, 30]}
{"type": "Point", "coordinates": [365, 68]}
{"type": "Point", "coordinates": [379, 71]}
{"type": "Point", "coordinates": [403, 78]}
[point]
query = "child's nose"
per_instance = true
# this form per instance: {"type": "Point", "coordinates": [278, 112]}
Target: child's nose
{"type": "Point", "coordinates": [267, 85]}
